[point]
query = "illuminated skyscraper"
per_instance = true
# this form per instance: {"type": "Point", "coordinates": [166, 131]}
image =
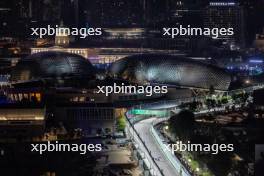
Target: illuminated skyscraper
{"type": "Point", "coordinates": [226, 15]}
{"type": "Point", "coordinates": [185, 12]}
{"type": "Point", "coordinates": [113, 13]}
{"type": "Point", "coordinates": [253, 10]}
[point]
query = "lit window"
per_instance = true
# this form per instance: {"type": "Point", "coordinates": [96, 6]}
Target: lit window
{"type": "Point", "coordinates": [38, 96]}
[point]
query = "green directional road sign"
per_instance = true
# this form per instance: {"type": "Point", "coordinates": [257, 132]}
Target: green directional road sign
{"type": "Point", "coordinates": [161, 113]}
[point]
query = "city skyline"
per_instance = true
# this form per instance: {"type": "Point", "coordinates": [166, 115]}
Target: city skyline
{"type": "Point", "coordinates": [131, 88]}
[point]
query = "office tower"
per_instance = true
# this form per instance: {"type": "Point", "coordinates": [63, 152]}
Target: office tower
{"type": "Point", "coordinates": [253, 10]}
{"type": "Point", "coordinates": [113, 13]}
{"type": "Point", "coordinates": [226, 15]}
{"type": "Point", "coordinates": [185, 12]}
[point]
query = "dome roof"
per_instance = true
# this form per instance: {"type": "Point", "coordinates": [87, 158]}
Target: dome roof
{"type": "Point", "coordinates": [51, 65]}
{"type": "Point", "coordinates": [173, 70]}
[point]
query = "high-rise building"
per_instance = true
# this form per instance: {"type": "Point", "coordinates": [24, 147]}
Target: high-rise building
{"type": "Point", "coordinates": [185, 12]}
{"type": "Point", "coordinates": [259, 41]}
{"type": "Point", "coordinates": [177, 11]}
{"type": "Point", "coordinates": [226, 15]}
{"type": "Point", "coordinates": [253, 10]}
{"type": "Point", "coordinates": [113, 13]}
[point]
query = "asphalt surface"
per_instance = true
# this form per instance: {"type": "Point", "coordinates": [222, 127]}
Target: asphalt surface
{"type": "Point", "coordinates": [143, 128]}
{"type": "Point", "coordinates": [142, 149]}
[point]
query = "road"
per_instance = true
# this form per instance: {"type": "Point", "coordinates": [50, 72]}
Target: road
{"type": "Point", "coordinates": [154, 170]}
{"type": "Point", "coordinates": [143, 128]}
{"type": "Point", "coordinates": [163, 159]}
{"type": "Point", "coordinates": [157, 157]}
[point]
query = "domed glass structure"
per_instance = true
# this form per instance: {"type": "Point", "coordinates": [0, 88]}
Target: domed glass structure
{"type": "Point", "coordinates": [51, 65]}
{"type": "Point", "coordinates": [172, 70]}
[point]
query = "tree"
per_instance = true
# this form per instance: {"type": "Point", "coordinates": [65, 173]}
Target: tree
{"type": "Point", "coordinates": [183, 124]}
{"type": "Point", "coordinates": [245, 97]}
{"type": "Point", "coordinates": [224, 100]}
{"type": "Point", "coordinates": [221, 163]}
{"type": "Point", "coordinates": [121, 123]}
{"type": "Point", "coordinates": [240, 97]}
{"type": "Point", "coordinates": [210, 103]}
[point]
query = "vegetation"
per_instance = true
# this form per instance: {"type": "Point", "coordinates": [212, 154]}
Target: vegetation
{"type": "Point", "coordinates": [221, 163]}
{"type": "Point", "coordinates": [240, 97]}
{"type": "Point", "coordinates": [210, 103]}
{"type": "Point", "coordinates": [216, 101]}
{"type": "Point", "coordinates": [193, 163]}
{"type": "Point", "coordinates": [192, 106]}
{"type": "Point", "coordinates": [121, 123]}
{"type": "Point", "coordinates": [225, 99]}
{"type": "Point", "coordinates": [183, 124]}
